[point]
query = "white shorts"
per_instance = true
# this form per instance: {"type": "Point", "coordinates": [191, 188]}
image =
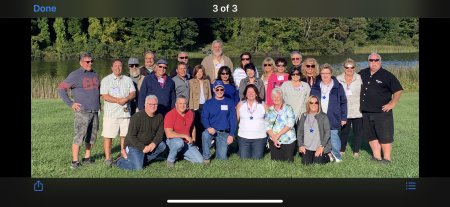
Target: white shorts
{"type": "Point", "coordinates": [112, 127]}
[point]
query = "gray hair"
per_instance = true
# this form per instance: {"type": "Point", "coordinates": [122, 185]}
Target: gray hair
{"type": "Point", "coordinates": [326, 66]}
{"type": "Point", "coordinates": [217, 41]}
{"type": "Point", "coordinates": [85, 55]}
{"type": "Point", "coordinates": [151, 97]}
{"type": "Point", "coordinates": [181, 97]}
{"type": "Point", "coordinates": [279, 91]}
{"type": "Point", "coordinates": [374, 53]}
{"type": "Point", "coordinates": [296, 52]}
{"type": "Point", "coordinates": [150, 52]}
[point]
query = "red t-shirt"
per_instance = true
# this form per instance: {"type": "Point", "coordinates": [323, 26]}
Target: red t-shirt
{"type": "Point", "coordinates": [178, 123]}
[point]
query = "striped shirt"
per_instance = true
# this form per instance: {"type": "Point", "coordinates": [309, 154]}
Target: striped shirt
{"type": "Point", "coordinates": [118, 88]}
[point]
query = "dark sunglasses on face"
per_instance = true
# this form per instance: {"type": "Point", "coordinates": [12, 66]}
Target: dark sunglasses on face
{"type": "Point", "coordinates": [374, 60]}
{"type": "Point", "coordinates": [183, 57]}
{"type": "Point", "coordinates": [295, 74]}
{"type": "Point", "coordinates": [349, 67]}
{"type": "Point", "coordinates": [310, 66]}
{"type": "Point", "coordinates": [225, 73]}
{"type": "Point", "coordinates": [89, 61]}
{"type": "Point", "coordinates": [314, 102]}
{"type": "Point", "coordinates": [160, 66]}
{"type": "Point", "coordinates": [220, 89]}
{"type": "Point", "coordinates": [295, 59]}
{"type": "Point", "coordinates": [245, 58]}
{"type": "Point", "coordinates": [280, 65]}
{"type": "Point", "coordinates": [265, 65]}
{"type": "Point", "coordinates": [133, 65]}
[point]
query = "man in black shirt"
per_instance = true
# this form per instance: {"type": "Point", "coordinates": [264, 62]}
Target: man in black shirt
{"type": "Point", "coordinates": [380, 92]}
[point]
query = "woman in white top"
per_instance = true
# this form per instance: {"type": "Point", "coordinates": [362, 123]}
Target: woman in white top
{"type": "Point", "coordinates": [240, 73]}
{"type": "Point", "coordinates": [296, 92]}
{"type": "Point", "coordinates": [351, 82]}
{"type": "Point", "coordinates": [252, 136]}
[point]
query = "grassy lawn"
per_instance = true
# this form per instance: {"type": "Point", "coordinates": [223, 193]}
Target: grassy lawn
{"type": "Point", "coordinates": [52, 131]}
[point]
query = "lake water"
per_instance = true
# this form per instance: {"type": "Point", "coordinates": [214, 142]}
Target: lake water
{"type": "Point", "coordinates": [103, 66]}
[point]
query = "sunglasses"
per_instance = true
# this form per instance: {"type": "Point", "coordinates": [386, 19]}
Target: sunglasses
{"type": "Point", "coordinates": [310, 66]}
{"type": "Point", "coordinates": [225, 73]}
{"type": "Point", "coordinates": [281, 65]}
{"type": "Point", "coordinates": [295, 74]}
{"type": "Point", "coordinates": [159, 66]}
{"type": "Point", "coordinates": [295, 59]}
{"type": "Point", "coordinates": [350, 67]}
{"type": "Point", "coordinates": [314, 102]}
{"type": "Point", "coordinates": [183, 57]}
{"type": "Point", "coordinates": [245, 58]}
{"type": "Point", "coordinates": [374, 60]}
{"type": "Point", "coordinates": [89, 61]}
{"type": "Point", "coordinates": [133, 65]}
{"type": "Point", "coordinates": [265, 65]}
{"type": "Point", "coordinates": [220, 89]}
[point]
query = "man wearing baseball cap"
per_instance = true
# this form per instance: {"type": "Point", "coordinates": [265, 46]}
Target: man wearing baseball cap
{"type": "Point", "coordinates": [219, 120]}
{"type": "Point", "coordinates": [161, 85]}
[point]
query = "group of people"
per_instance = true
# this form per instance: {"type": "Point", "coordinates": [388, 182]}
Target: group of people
{"type": "Point", "coordinates": [191, 110]}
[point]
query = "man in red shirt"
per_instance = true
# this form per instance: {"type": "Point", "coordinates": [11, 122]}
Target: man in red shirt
{"type": "Point", "coordinates": [180, 132]}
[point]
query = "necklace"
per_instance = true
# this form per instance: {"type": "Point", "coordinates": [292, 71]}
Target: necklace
{"type": "Point", "coordinates": [310, 120]}
{"type": "Point", "coordinates": [325, 89]}
{"type": "Point", "coordinates": [251, 111]}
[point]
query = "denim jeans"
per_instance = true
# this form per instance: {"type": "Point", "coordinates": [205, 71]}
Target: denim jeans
{"type": "Point", "coordinates": [190, 151]}
{"type": "Point", "coordinates": [251, 148]}
{"type": "Point", "coordinates": [221, 145]}
{"type": "Point", "coordinates": [336, 144]}
{"type": "Point", "coordinates": [135, 157]}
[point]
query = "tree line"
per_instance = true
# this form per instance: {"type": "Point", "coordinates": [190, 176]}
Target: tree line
{"type": "Point", "coordinates": [64, 38]}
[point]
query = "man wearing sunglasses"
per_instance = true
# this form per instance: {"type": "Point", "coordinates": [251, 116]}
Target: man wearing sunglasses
{"type": "Point", "coordinates": [85, 86]}
{"type": "Point", "coordinates": [219, 120]}
{"type": "Point", "coordinates": [183, 57]}
{"type": "Point", "coordinates": [135, 75]}
{"type": "Point", "coordinates": [161, 85]}
{"type": "Point", "coordinates": [380, 92]}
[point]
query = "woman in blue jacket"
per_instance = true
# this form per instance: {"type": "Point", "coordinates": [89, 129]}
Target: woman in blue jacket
{"type": "Point", "coordinates": [334, 104]}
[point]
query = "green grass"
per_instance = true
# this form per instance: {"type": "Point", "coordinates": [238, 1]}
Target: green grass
{"type": "Point", "coordinates": [52, 123]}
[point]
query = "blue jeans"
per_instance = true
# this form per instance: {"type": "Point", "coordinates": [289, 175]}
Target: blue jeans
{"type": "Point", "coordinates": [251, 148]}
{"type": "Point", "coordinates": [335, 144]}
{"type": "Point", "coordinates": [221, 145]}
{"type": "Point", "coordinates": [135, 157]}
{"type": "Point", "coordinates": [189, 151]}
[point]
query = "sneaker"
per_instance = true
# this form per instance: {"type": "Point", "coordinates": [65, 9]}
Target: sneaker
{"type": "Point", "coordinates": [338, 160]}
{"type": "Point", "coordinates": [87, 161]}
{"type": "Point", "coordinates": [108, 162]}
{"type": "Point", "coordinates": [356, 155]}
{"type": "Point", "coordinates": [385, 162]}
{"type": "Point", "coordinates": [206, 162]}
{"type": "Point", "coordinates": [75, 165]}
{"type": "Point", "coordinates": [331, 157]}
{"type": "Point", "coordinates": [170, 164]}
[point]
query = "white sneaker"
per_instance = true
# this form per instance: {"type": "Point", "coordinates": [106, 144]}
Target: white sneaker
{"type": "Point", "coordinates": [331, 157]}
{"type": "Point", "coordinates": [338, 160]}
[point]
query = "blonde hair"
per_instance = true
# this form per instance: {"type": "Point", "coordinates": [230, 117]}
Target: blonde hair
{"type": "Point", "coordinates": [308, 108]}
{"type": "Point", "coordinates": [316, 69]}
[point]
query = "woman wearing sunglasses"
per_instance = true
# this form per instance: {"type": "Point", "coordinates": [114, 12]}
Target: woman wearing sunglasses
{"type": "Point", "coordinates": [268, 67]}
{"type": "Point", "coordinates": [296, 92]}
{"type": "Point", "coordinates": [276, 79]}
{"type": "Point", "coordinates": [310, 70]}
{"type": "Point", "coordinates": [225, 77]}
{"type": "Point", "coordinates": [313, 134]}
{"type": "Point", "coordinates": [240, 73]}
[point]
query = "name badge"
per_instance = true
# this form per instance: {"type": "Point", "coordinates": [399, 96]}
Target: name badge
{"type": "Point", "coordinates": [224, 107]}
{"type": "Point", "coordinates": [348, 92]}
{"type": "Point", "coordinates": [280, 78]}
{"type": "Point", "coordinates": [160, 80]}
{"type": "Point", "coordinates": [218, 65]}
{"type": "Point", "coordinates": [115, 90]}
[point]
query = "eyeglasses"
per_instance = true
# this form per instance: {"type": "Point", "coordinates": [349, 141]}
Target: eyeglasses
{"type": "Point", "coordinates": [265, 65]}
{"type": "Point", "coordinates": [225, 73]}
{"type": "Point", "coordinates": [245, 58]}
{"type": "Point", "coordinates": [314, 102]}
{"type": "Point", "coordinates": [220, 89]}
{"type": "Point", "coordinates": [295, 59]}
{"type": "Point", "coordinates": [183, 57]}
{"type": "Point", "coordinates": [310, 66]}
{"type": "Point", "coordinates": [350, 67]}
{"type": "Point", "coordinates": [89, 61]}
{"type": "Point", "coordinates": [374, 60]}
{"type": "Point", "coordinates": [152, 104]}
{"type": "Point", "coordinates": [159, 66]}
{"type": "Point", "coordinates": [281, 65]}
{"type": "Point", "coordinates": [133, 65]}
{"type": "Point", "coordinates": [295, 74]}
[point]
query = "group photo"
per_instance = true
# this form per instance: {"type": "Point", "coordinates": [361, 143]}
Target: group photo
{"type": "Point", "coordinates": [225, 98]}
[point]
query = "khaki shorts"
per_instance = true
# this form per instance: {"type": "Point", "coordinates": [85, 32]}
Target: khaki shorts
{"type": "Point", "coordinates": [112, 127]}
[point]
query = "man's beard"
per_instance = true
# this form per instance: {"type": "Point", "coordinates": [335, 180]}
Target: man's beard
{"type": "Point", "coordinates": [134, 73]}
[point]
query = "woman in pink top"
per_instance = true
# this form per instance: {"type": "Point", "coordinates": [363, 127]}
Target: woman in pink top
{"type": "Point", "coordinates": [276, 79]}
